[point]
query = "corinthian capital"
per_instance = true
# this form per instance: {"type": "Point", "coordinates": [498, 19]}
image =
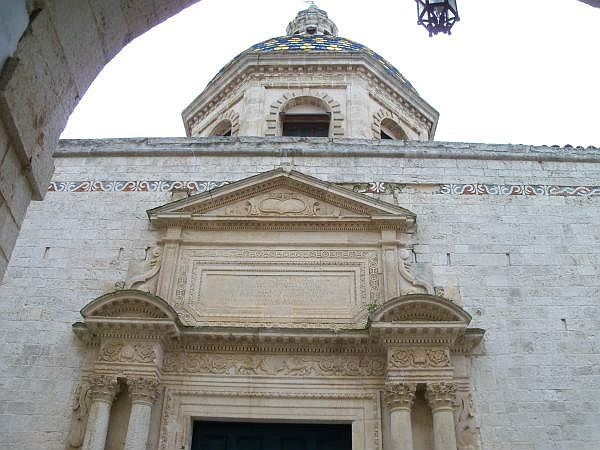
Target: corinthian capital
{"type": "Point", "coordinates": [103, 388]}
{"type": "Point", "coordinates": [400, 395]}
{"type": "Point", "coordinates": [142, 389]}
{"type": "Point", "coordinates": [441, 395]}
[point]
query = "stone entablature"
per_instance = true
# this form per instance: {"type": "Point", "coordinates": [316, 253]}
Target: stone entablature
{"type": "Point", "coordinates": [274, 356]}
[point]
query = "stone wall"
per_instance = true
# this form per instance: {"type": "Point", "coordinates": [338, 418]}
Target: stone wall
{"type": "Point", "coordinates": [509, 232]}
{"type": "Point", "coordinates": [63, 47]}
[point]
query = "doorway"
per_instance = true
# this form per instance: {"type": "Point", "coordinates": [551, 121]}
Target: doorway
{"type": "Point", "coordinates": [270, 436]}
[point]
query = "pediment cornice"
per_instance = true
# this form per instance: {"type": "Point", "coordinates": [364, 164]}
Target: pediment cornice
{"type": "Point", "coordinates": [281, 199]}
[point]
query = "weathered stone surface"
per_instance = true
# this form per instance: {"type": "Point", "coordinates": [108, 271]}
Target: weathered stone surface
{"type": "Point", "coordinates": [538, 304]}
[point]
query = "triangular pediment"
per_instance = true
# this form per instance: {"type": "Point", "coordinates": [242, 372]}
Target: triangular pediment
{"type": "Point", "coordinates": [282, 197]}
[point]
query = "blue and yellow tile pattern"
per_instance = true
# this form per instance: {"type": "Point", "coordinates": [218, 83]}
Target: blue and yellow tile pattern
{"type": "Point", "coordinates": [317, 43]}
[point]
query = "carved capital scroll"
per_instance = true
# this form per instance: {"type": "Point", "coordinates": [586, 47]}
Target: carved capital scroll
{"type": "Point", "coordinates": [400, 395]}
{"type": "Point", "coordinates": [441, 395]}
{"type": "Point", "coordinates": [103, 388]}
{"type": "Point", "coordinates": [142, 389]}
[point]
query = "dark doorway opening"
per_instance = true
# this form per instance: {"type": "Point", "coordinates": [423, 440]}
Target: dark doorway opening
{"type": "Point", "coordinates": [270, 436]}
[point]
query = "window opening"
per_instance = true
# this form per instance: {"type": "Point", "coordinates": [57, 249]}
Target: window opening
{"type": "Point", "coordinates": [305, 125]}
{"type": "Point", "coordinates": [222, 129]}
{"type": "Point", "coordinates": [391, 130]}
{"type": "Point", "coordinates": [384, 135]}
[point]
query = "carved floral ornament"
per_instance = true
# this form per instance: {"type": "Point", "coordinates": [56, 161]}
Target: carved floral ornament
{"type": "Point", "coordinates": [400, 395]}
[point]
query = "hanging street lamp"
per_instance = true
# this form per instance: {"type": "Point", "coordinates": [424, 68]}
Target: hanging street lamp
{"type": "Point", "coordinates": [437, 16]}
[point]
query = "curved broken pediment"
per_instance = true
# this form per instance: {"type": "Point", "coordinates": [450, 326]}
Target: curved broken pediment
{"type": "Point", "coordinates": [129, 304]}
{"type": "Point", "coordinates": [420, 308]}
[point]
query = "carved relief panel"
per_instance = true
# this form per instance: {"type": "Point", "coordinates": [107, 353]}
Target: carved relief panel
{"type": "Point", "coordinates": [279, 285]}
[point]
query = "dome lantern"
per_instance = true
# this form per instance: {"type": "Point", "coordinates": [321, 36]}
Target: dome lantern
{"type": "Point", "coordinates": [312, 21]}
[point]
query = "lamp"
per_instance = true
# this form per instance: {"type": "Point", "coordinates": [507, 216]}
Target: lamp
{"type": "Point", "coordinates": [437, 16]}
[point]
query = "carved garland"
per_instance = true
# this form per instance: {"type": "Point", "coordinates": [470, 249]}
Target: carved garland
{"type": "Point", "coordinates": [288, 99]}
{"type": "Point", "coordinates": [271, 365]}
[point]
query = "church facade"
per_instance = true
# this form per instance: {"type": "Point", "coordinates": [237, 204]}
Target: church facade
{"type": "Point", "coordinates": [308, 269]}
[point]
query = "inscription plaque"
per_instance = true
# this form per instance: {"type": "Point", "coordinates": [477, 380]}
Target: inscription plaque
{"type": "Point", "coordinates": [277, 286]}
{"type": "Point", "coordinates": [270, 288]}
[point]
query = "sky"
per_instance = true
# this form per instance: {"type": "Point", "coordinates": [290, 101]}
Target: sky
{"type": "Point", "coordinates": [515, 71]}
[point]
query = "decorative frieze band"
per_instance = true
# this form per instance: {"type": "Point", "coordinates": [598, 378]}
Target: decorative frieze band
{"type": "Point", "coordinates": [401, 358]}
{"type": "Point", "coordinates": [376, 187]}
{"type": "Point", "coordinates": [274, 365]}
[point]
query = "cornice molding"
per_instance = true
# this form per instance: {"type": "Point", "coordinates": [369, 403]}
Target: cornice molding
{"type": "Point", "coordinates": [287, 147]}
{"type": "Point", "coordinates": [247, 68]}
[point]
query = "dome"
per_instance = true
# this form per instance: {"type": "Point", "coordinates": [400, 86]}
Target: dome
{"type": "Point", "coordinates": [305, 43]}
{"type": "Point", "coordinates": [312, 31]}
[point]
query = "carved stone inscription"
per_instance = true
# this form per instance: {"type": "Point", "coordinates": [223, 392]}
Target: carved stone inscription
{"type": "Point", "coordinates": [276, 286]}
{"type": "Point", "coordinates": [278, 289]}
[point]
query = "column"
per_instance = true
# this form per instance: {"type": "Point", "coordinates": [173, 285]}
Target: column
{"type": "Point", "coordinates": [441, 398]}
{"type": "Point", "coordinates": [143, 393]}
{"type": "Point", "coordinates": [399, 398]}
{"type": "Point", "coordinates": [103, 388]}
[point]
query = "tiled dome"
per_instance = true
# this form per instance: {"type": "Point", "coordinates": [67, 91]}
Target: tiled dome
{"type": "Point", "coordinates": [305, 43]}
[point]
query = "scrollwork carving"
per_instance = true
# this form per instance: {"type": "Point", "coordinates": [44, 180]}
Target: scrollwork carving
{"type": "Point", "coordinates": [272, 365]}
{"type": "Point", "coordinates": [142, 389]}
{"type": "Point", "coordinates": [282, 203]}
{"type": "Point", "coordinates": [419, 357]}
{"type": "Point", "coordinates": [146, 281]}
{"type": "Point", "coordinates": [80, 407]}
{"type": "Point", "coordinates": [400, 395]}
{"type": "Point", "coordinates": [467, 431]}
{"type": "Point", "coordinates": [441, 395]}
{"type": "Point", "coordinates": [103, 388]}
{"type": "Point", "coordinates": [410, 283]}
{"type": "Point", "coordinates": [119, 352]}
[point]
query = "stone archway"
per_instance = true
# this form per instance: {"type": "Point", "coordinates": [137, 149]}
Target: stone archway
{"type": "Point", "coordinates": [64, 47]}
{"type": "Point", "coordinates": [384, 116]}
{"type": "Point", "coordinates": [230, 120]}
{"type": "Point", "coordinates": [293, 99]}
